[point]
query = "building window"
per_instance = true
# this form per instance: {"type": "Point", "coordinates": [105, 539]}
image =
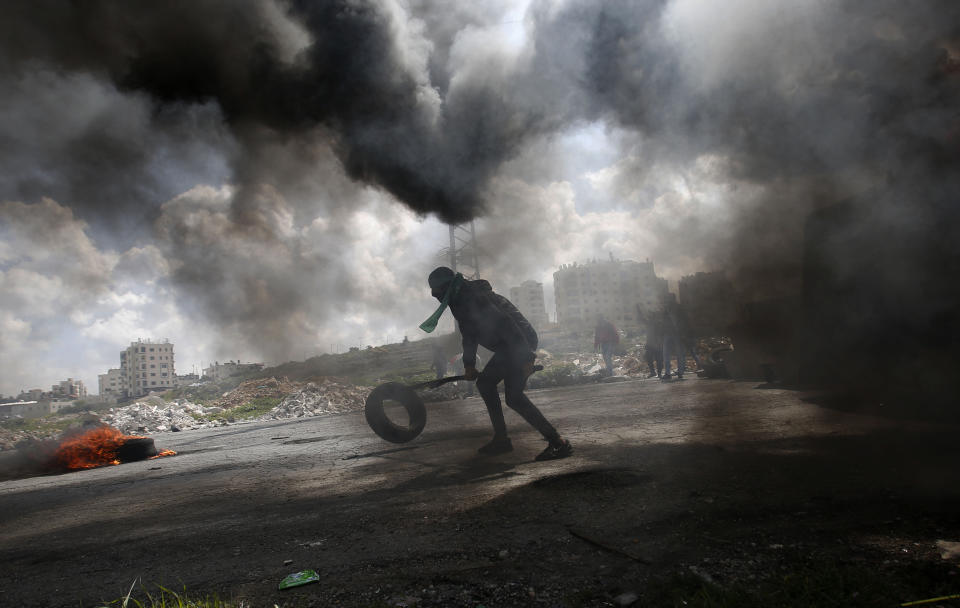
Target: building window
{"type": "Point", "coordinates": [152, 357]}
{"type": "Point", "coordinates": [154, 383]}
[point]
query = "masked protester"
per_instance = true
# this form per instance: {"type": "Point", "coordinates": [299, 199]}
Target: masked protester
{"type": "Point", "coordinates": [490, 320]}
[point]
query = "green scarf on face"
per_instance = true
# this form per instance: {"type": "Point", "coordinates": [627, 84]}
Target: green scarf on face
{"type": "Point", "coordinates": [452, 290]}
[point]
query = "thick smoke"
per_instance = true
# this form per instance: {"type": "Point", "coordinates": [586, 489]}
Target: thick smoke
{"type": "Point", "coordinates": [359, 79]}
{"type": "Point", "coordinates": [736, 120]}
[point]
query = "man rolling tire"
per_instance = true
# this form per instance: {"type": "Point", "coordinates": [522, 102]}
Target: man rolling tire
{"type": "Point", "coordinates": [490, 320]}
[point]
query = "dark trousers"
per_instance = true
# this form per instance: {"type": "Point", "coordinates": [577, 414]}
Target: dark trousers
{"type": "Point", "coordinates": [508, 368]}
{"type": "Point", "coordinates": [653, 356]}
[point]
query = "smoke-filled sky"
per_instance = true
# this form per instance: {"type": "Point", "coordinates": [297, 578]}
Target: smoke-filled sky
{"type": "Point", "coordinates": [266, 179]}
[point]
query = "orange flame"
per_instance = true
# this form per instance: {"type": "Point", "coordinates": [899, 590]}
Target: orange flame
{"type": "Point", "coordinates": [95, 448]}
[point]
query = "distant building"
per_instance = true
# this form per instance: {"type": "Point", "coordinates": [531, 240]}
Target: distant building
{"type": "Point", "coordinates": [34, 394]}
{"type": "Point", "coordinates": [112, 384]}
{"type": "Point", "coordinates": [220, 371]}
{"type": "Point", "coordinates": [187, 379]}
{"type": "Point", "coordinates": [528, 298]}
{"type": "Point", "coordinates": [612, 288]}
{"type": "Point", "coordinates": [147, 366]}
{"type": "Point", "coordinates": [69, 389]}
{"type": "Point", "coordinates": [710, 302]}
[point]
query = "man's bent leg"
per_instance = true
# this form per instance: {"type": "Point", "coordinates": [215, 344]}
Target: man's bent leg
{"type": "Point", "coordinates": [513, 385]}
{"type": "Point", "coordinates": [487, 383]}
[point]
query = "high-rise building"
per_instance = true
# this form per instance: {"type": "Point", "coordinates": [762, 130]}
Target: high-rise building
{"type": "Point", "coordinates": [148, 366]}
{"type": "Point", "coordinates": [528, 298]}
{"type": "Point", "coordinates": [612, 288]}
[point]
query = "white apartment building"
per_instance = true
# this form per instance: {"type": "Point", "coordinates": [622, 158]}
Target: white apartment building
{"type": "Point", "coordinates": [528, 298]}
{"type": "Point", "coordinates": [112, 384]}
{"type": "Point", "coordinates": [612, 288]}
{"type": "Point", "coordinates": [148, 366]}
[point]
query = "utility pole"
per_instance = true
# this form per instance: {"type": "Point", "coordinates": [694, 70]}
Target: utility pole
{"type": "Point", "coordinates": [462, 255]}
{"type": "Point", "coordinates": [462, 252]}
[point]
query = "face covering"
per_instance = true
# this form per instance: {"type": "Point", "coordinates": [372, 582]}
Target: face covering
{"type": "Point", "coordinates": [452, 290]}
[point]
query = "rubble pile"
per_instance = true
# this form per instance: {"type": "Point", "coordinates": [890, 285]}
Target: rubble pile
{"type": "Point", "coordinates": [324, 397]}
{"type": "Point", "coordinates": [247, 391]}
{"type": "Point", "coordinates": [153, 414]}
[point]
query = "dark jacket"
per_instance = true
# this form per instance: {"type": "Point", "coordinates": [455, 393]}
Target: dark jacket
{"type": "Point", "coordinates": [490, 320]}
{"type": "Point", "coordinates": [675, 323]}
{"type": "Point", "coordinates": [605, 333]}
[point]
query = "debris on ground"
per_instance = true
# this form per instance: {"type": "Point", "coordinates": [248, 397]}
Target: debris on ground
{"type": "Point", "coordinates": [153, 414]}
{"type": "Point", "coordinates": [324, 397]}
{"type": "Point", "coordinates": [258, 388]}
{"type": "Point", "coordinates": [299, 578]}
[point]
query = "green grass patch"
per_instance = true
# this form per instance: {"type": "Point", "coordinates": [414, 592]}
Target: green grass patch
{"type": "Point", "coordinates": [251, 409]}
{"type": "Point", "coordinates": [167, 598]}
{"type": "Point", "coordinates": [47, 424]}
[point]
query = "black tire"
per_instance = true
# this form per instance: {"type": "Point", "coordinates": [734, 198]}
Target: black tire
{"type": "Point", "coordinates": [139, 448]}
{"type": "Point", "coordinates": [386, 428]}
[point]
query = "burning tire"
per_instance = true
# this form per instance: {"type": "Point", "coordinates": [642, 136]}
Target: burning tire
{"type": "Point", "coordinates": [136, 448]}
{"type": "Point", "coordinates": [382, 425]}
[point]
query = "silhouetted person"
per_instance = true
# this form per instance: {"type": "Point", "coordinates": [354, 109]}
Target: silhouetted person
{"type": "Point", "coordinates": [439, 361]}
{"type": "Point", "coordinates": [676, 338]}
{"type": "Point", "coordinates": [490, 320]}
{"type": "Point", "coordinates": [653, 349]}
{"type": "Point", "coordinates": [606, 337]}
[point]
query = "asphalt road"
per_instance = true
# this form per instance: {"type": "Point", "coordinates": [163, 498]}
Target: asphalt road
{"type": "Point", "coordinates": [240, 507]}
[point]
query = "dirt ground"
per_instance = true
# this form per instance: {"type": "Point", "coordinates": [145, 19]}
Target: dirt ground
{"type": "Point", "coordinates": [692, 493]}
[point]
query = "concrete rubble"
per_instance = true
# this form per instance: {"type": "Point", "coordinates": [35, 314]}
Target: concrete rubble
{"type": "Point", "coordinates": [316, 399]}
{"type": "Point", "coordinates": [153, 414]}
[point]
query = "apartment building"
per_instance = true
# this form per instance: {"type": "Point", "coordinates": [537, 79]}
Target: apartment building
{"type": "Point", "coordinates": [612, 288]}
{"type": "Point", "coordinates": [112, 384]}
{"type": "Point", "coordinates": [528, 298]}
{"type": "Point", "coordinates": [147, 366]}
